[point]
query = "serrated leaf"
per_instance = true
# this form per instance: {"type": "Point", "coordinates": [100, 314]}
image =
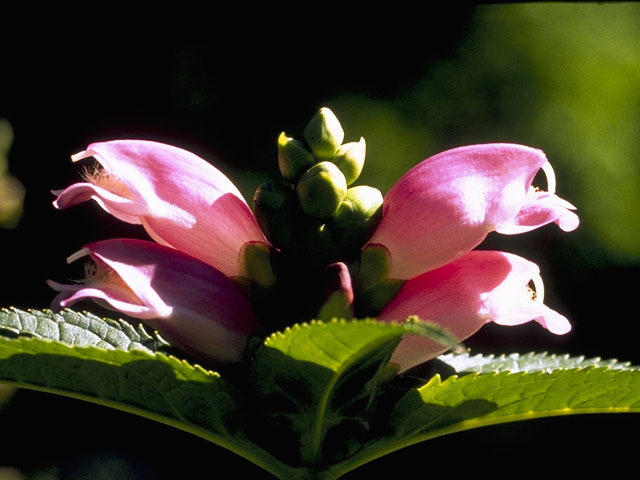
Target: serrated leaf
{"type": "Point", "coordinates": [318, 380]}
{"type": "Point", "coordinates": [130, 380]}
{"type": "Point", "coordinates": [80, 329]}
{"type": "Point", "coordinates": [114, 368]}
{"type": "Point", "coordinates": [530, 362]}
{"type": "Point", "coordinates": [477, 400]}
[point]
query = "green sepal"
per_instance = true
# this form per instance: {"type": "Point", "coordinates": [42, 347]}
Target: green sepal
{"type": "Point", "coordinates": [375, 265]}
{"type": "Point", "coordinates": [338, 305]}
{"type": "Point", "coordinates": [255, 262]}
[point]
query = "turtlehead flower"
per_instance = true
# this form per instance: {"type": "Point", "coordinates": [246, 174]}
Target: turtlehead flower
{"type": "Point", "coordinates": [181, 200]}
{"type": "Point", "coordinates": [447, 204]}
{"type": "Point", "coordinates": [416, 250]}
{"type": "Point", "coordinates": [443, 208]}
{"type": "Point", "coordinates": [185, 203]}
{"type": "Point", "coordinates": [193, 306]}
{"type": "Point", "coordinates": [479, 287]}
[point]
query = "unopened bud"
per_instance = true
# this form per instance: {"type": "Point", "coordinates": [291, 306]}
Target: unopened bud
{"type": "Point", "coordinates": [276, 209]}
{"type": "Point", "coordinates": [321, 190]}
{"type": "Point", "coordinates": [293, 158]}
{"type": "Point", "coordinates": [357, 218]}
{"type": "Point", "coordinates": [324, 134]}
{"type": "Point", "coordinates": [338, 301]}
{"type": "Point", "coordinates": [350, 159]}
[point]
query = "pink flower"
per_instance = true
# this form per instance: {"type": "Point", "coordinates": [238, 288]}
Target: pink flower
{"type": "Point", "coordinates": [447, 204]}
{"type": "Point", "coordinates": [443, 208]}
{"type": "Point", "coordinates": [193, 305]}
{"type": "Point", "coordinates": [181, 200]}
{"type": "Point", "coordinates": [479, 287]}
{"type": "Point", "coordinates": [432, 219]}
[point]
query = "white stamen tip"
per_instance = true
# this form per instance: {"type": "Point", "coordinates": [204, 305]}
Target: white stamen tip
{"type": "Point", "coordinates": [80, 155]}
{"type": "Point", "coordinates": [83, 252]}
{"type": "Point", "coordinates": [551, 177]}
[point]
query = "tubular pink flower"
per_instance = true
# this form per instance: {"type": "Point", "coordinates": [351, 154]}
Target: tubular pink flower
{"type": "Point", "coordinates": [181, 200]}
{"type": "Point", "coordinates": [447, 204]}
{"type": "Point", "coordinates": [479, 287]}
{"type": "Point", "coordinates": [193, 306]}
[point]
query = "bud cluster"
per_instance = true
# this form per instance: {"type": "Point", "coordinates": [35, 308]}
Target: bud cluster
{"type": "Point", "coordinates": [313, 215]}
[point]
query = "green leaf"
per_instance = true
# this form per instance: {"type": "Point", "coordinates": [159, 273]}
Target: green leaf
{"type": "Point", "coordinates": [317, 387]}
{"type": "Point", "coordinates": [79, 329]}
{"type": "Point", "coordinates": [317, 384]}
{"type": "Point", "coordinates": [129, 380]}
{"type": "Point", "coordinates": [111, 363]}
{"type": "Point", "coordinates": [530, 362]}
{"type": "Point", "coordinates": [459, 403]}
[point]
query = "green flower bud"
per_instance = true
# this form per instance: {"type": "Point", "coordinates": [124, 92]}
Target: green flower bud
{"type": "Point", "coordinates": [350, 159]}
{"type": "Point", "coordinates": [276, 208]}
{"type": "Point", "coordinates": [321, 190]}
{"type": "Point", "coordinates": [324, 134]}
{"type": "Point", "coordinates": [293, 158]}
{"type": "Point", "coordinates": [255, 258]}
{"type": "Point", "coordinates": [338, 301]}
{"type": "Point", "coordinates": [357, 218]}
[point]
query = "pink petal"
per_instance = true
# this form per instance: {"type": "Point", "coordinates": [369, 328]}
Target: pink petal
{"type": "Point", "coordinates": [181, 200]}
{"type": "Point", "coordinates": [463, 295]}
{"type": "Point", "coordinates": [193, 305]}
{"type": "Point", "coordinates": [120, 207]}
{"type": "Point", "coordinates": [447, 204]}
{"type": "Point", "coordinates": [542, 208]}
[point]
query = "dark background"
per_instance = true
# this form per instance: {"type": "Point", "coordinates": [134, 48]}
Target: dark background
{"type": "Point", "coordinates": [563, 78]}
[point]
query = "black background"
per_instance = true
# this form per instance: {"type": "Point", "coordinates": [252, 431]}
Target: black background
{"type": "Point", "coordinates": [224, 88]}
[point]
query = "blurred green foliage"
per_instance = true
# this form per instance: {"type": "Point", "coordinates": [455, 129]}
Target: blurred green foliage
{"type": "Point", "coordinates": [561, 77]}
{"type": "Point", "coordinates": [11, 189]}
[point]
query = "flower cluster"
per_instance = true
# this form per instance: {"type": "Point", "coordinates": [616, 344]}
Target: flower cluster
{"type": "Point", "coordinates": [316, 248]}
